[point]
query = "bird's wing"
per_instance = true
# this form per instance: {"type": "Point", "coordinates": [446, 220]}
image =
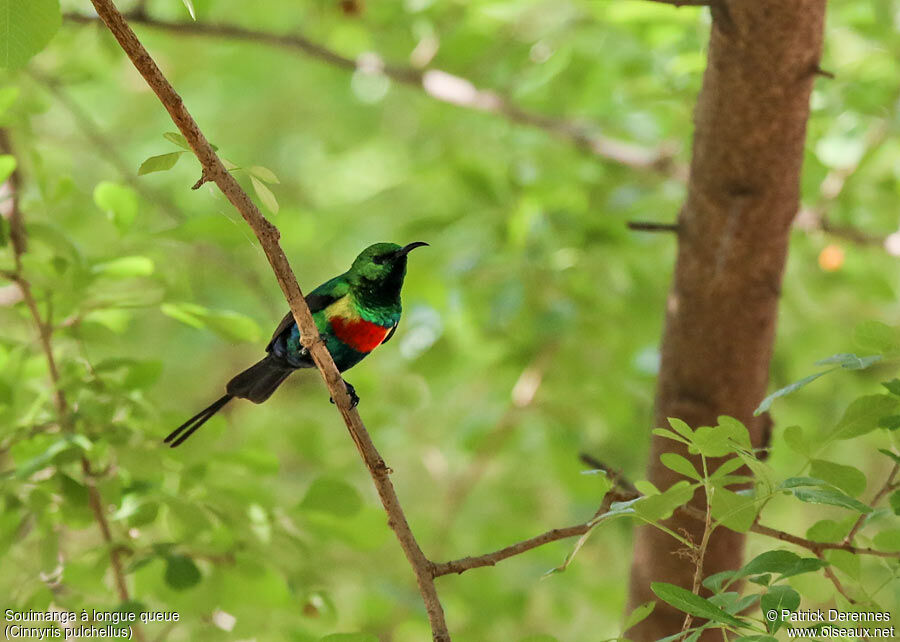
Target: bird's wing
{"type": "Point", "coordinates": [317, 300]}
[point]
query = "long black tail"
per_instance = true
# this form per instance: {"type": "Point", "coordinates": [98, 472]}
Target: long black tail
{"type": "Point", "coordinates": [256, 383]}
{"type": "Point", "coordinates": [190, 426]}
{"type": "Point", "coordinates": [259, 381]}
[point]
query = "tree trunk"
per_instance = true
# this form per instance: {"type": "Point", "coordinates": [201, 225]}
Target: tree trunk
{"type": "Point", "coordinates": [733, 234]}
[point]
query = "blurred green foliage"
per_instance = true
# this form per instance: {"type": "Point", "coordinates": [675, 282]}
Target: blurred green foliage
{"type": "Point", "coordinates": [530, 332]}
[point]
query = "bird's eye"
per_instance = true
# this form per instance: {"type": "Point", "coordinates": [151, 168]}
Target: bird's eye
{"type": "Point", "coordinates": [380, 258]}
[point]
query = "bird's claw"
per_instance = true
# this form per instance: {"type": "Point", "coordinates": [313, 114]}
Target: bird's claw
{"type": "Point", "coordinates": [351, 391]}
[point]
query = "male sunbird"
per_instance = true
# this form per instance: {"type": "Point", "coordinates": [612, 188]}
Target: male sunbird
{"type": "Point", "coordinates": [354, 312]}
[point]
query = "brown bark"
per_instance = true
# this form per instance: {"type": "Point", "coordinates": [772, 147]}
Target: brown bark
{"type": "Point", "coordinates": [733, 233]}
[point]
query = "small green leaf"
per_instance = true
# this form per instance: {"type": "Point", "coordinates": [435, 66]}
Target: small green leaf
{"type": "Point", "coordinates": [656, 507]}
{"type": "Point", "coordinates": [850, 361]}
{"type": "Point", "coordinates": [893, 456]}
{"type": "Point", "coordinates": [831, 497]}
{"type": "Point", "coordinates": [264, 174]}
{"type": "Point", "coordinates": [7, 165]}
{"type": "Point", "coordinates": [118, 201]}
{"type": "Point", "coordinates": [681, 427]}
{"type": "Point", "coordinates": [685, 601]}
{"type": "Point", "coordinates": [770, 562]}
{"type": "Point", "coordinates": [181, 572]}
{"type": "Point", "coordinates": [795, 482]}
{"type": "Point", "coordinates": [736, 431]}
{"type": "Point", "coordinates": [863, 414]}
{"type": "Point", "coordinates": [766, 403]}
{"type": "Point", "coordinates": [873, 336]}
{"type": "Point", "coordinates": [638, 615]}
{"type": "Point", "coordinates": [159, 163]}
{"type": "Point", "coordinates": [828, 530]}
{"type": "Point", "coordinates": [733, 510]}
{"type": "Point", "coordinates": [177, 139]}
{"type": "Point", "coordinates": [892, 386]}
{"type": "Point", "coordinates": [127, 266]}
{"type": "Point", "coordinates": [778, 598]}
{"type": "Point", "coordinates": [891, 422]}
{"type": "Point", "coordinates": [728, 466]}
{"type": "Point", "coordinates": [888, 540]}
{"type": "Point", "coordinates": [668, 434]}
{"type": "Point", "coordinates": [680, 465]}
{"type": "Point", "coordinates": [712, 441]}
{"type": "Point", "coordinates": [265, 195]}
{"type": "Point", "coordinates": [8, 96]}
{"type": "Point", "coordinates": [25, 29]}
{"type": "Point", "coordinates": [715, 581]}
{"type": "Point", "coordinates": [793, 437]}
{"type": "Point", "coordinates": [113, 319]}
{"type": "Point", "coordinates": [332, 495]}
{"type": "Point", "coordinates": [188, 313]}
{"type": "Point", "coordinates": [233, 325]}
{"type": "Point", "coordinates": [895, 502]}
{"type": "Point", "coordinates": [845, 561]}
{"type": "Point", "coordinates": [849, 479]}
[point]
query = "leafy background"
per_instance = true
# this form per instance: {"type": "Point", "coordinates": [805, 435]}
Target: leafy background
{"type": "Point", "coordinates": [530, 331]}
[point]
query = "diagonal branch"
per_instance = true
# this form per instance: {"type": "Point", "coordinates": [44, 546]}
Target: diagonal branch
{"type": "Point", "coordinates": [268, 235]}
{"type": "Point", "coordinates": [439, 85]}
{"type": "Point", "coordinates": [44, 330]}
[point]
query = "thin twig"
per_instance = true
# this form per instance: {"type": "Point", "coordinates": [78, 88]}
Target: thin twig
{"type": "Point", "coordinates": [700, 552]}
{"type": "Point", "coordinates": [44, 330]}
{"type": "Point", "coordinates": [647, 226]}
{"type": "Point", "coordinates": [887, 487]}
{"type": "Point", "coordinates": [685, 3]}
{"type": "Point", "coordinates": [490, 559]}
{"type": "Point", "coordinates": [439, 85]}
{"type": "Point", "coordinates": [830, 574]}
{"type": "Point", "coordinates": [268, 236]}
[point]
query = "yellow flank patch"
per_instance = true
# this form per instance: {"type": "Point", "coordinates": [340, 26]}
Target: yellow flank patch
{"type": "Point", "coordinates": [344, 308]}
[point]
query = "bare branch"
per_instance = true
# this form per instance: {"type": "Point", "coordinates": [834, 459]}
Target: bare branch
{"type": "Point", "coordinates": [686, 3]}
{"type": "Point", "coordinates": [490, 559]}
{"type": "Point", "coordinates": [646, 226]}
{"type": "Point", "coordinates": [887, 487]}
{"type": "Point", "coordinates": [44, 330]}
{"type": "Point", "coordinates": [830, 574]}
{"type": "Point", "coordinates": [439, 85]}
{"type": "Point", "coordinates": [268, 236]}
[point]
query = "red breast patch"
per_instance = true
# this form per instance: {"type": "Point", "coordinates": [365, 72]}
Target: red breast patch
{"type": "Point", "coordinates": [361, 335]}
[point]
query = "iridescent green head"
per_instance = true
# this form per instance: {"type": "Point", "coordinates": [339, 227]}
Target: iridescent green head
{"type": "Point", "coordinates": [377, 273]}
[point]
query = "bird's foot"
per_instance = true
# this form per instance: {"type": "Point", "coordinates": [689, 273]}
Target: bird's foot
{"type": "Point", "coordinates": [354, 398]}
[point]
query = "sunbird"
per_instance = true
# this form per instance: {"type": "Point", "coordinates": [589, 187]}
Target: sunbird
{"type": "Point", "coordinates": [354, 312]}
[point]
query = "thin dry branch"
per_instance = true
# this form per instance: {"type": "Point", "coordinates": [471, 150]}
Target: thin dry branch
{"type": "Point", "coordinates": [439, 85]}
{"type": "Point", "coordinates": [887, 487]}
{"type": "Point", "coordinates": [268, 236]}
{"type": "Point", "coordinates": [44, 329]}
{"type": "Point", "coordinates": [685, 3]}
{"type": "Point", "coordinates": [464, 564]}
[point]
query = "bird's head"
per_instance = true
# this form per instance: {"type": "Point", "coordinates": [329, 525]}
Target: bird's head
{"type": "Point", "coordinates": [379, 269]}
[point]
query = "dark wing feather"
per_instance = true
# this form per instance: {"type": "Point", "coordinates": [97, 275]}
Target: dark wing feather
{"type": "Point", "coordinates": [317, 300]}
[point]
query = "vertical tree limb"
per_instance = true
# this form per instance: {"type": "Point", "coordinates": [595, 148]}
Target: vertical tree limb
{"type": "Point", "coordinates": [268, 235]}
{"type": "Point", "coordinates": [733, 233]}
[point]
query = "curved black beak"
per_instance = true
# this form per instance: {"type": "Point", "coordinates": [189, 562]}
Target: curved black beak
{"type": "Point", "coordinates": [406, 249]}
